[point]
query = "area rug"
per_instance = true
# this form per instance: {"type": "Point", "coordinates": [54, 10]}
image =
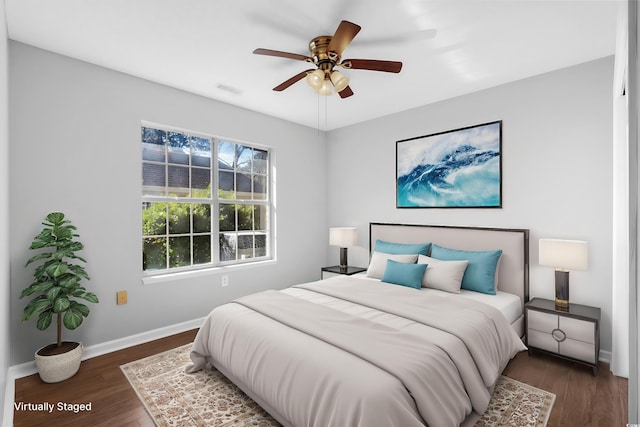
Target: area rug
{"type": "Point", "coordinates": [208, 398]}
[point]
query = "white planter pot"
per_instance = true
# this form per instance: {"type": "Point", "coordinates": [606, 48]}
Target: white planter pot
{"type": "Point", "coordinates": [59, 367]}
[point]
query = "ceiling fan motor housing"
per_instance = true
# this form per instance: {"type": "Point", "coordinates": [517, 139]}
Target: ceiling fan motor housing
{"type": "Point", "coordinates": [324, 59]}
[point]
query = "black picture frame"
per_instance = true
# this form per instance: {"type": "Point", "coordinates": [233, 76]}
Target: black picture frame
{"type": "Point", "coordinates": [460, 168]}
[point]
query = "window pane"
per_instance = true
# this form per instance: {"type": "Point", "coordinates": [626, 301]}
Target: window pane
{"type": "Point", "coordinates": [245, 217]}
{"type": "Point", "coordinates": [200, 151]}
{"type": "Point", "coordinates": [202, 249]}
{"type": "Point", "coordinates": [244, 155]}
{"type": "Point", "coordinates": [201, 183]}
{"type": "Point", "coordinates": [153, 152]}
{"type": "Point", "coordinates": [259, 161]}
{"type": "Point", "coordinates": [226, 155]}
{"type": "Point", "coordinates": [261, 244]}
{"type": "Point", "coordinates": [154, 255]}
{"type": "Point", "coordinates": [153, 180]}
{"type": "Point", "coordinates": [179, 218]}
{"type": "Point", "coordinates": [225, 185]}
{"type": "Point", "coordinates": [260, 217]}
{"type": "Point", "coordinates": [154, 219]}
{"type": "Point", "coordinates": [227, 246]}
{"type": "Point", "coordinates": [153, 136]}
{"type": "Point", "coordinates": [227, 217]}
{"type": "Point", "coordinates": [179, 251]}
{"type": "Point", "coordinates": [259, 187]}
{"type": "Point", "coordinates": [178, 149]}
{"type": "Point", "coordinates": [243, 181]}
{"type": "Point", "coordinates": [201, 218]}
{"type": "Point", "coordinates": [178, 181]}
{"type": "Point", "coordinates": [245, 246]}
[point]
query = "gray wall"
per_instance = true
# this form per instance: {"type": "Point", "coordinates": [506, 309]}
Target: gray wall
{"type": "Point", "coordinates": [557, 173]}
{"type": "Point", "coordinates": [5, 342]}
{"type": "Point", "coordinates": [75, 130]}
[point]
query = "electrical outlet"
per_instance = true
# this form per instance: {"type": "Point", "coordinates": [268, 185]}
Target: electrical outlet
{"type": "Point", "coordinates": [122, 297]}
{"type": "Point", "coordinates": [224, 280]}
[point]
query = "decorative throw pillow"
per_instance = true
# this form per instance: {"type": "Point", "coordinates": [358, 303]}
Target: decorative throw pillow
{"type": "Point", "coordinates": [399, 273]}
{"type": "Point", "coordinates": [378, 262]}
{"type": "Point", "coordinates": [402, 248]}
{"type": "Point", "coordinates": [443, 275]}
{"type": "Point", "coordinates": [481, 274]}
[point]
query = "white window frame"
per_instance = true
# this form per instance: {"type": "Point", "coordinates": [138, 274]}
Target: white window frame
{"type": "Point", "coordinates": [215, 203]}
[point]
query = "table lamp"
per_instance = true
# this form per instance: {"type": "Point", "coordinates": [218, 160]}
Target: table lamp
{"type": "Point", "coordinates": [564, 255]}
{"type": "Point", "coordinates": [343, 237]}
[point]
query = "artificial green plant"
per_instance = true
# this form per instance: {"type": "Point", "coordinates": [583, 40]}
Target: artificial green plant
{"type": "Point", "coordinates": [57, 279]}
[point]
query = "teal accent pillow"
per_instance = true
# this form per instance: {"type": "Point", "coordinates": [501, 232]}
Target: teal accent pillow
{"type": "Point", "coordinates": [400, 273]}
{"type": "Point", "coordinates": [481, 273]}
{"type": "Point", "coordinates": [402, 248]}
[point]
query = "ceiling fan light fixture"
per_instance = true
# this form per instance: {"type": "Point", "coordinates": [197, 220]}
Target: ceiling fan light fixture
{"type": "Point", "coordinates": [339, 81]}
{"type": "Point", "coordinates": [315, 79]}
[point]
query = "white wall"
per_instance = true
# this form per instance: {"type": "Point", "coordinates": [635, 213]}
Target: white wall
{"type": "Point", "coordinates": [556, 164]}
{"type": "Point", "coordinates": [4, 209]}
{"type": "Point", "coordinates": [75, 131]}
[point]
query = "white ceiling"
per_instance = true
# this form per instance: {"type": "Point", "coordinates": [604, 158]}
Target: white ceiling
{"type": "Point", "coordinates": [448, 47]}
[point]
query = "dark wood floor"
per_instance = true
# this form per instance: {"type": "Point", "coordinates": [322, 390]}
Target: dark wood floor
{"type": "Point", "coordinates": [581, 399]}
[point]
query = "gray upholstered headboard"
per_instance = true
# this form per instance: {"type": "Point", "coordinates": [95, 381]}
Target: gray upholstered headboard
{"type": "Point", "coordinates": [513, 274]}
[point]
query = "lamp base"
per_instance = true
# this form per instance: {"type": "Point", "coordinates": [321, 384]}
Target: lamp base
{"type": "Point", "coordinates": [343, 259]}
{"type": "Point", "coordinates": [562, 289]}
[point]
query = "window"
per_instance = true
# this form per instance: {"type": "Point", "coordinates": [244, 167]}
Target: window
{"type": "Point", "coordinates": [205, 201]}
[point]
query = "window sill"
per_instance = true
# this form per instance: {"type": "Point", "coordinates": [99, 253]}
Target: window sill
{"type": "Point", "coordinates": [214, 271]}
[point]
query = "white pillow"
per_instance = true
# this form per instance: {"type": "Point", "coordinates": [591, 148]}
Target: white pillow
{"type": "Point", "coordinates": [443, 275]}
{"type": "Point", "coordinates": [378, 262]}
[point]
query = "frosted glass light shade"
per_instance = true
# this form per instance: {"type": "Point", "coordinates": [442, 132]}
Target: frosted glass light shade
{"type": "Point", "coordinates": [343, 236]}
{"type": "Point", "coordinates": [339, 81]}
{"type": "Point", "coordinates": [563, 254]}
{"type": "Point", "coordinates": [325, 88]}
{"type": "Point", "coordinates": [315, 79]}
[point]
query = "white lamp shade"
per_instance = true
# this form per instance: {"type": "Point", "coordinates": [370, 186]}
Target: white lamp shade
{"type": "Point", "coordinates": [563, 254]}
{"type": "Point", "coordinates": [343, 236]}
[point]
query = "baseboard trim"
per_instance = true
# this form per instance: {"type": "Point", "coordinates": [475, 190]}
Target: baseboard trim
{"type": "Point", "coordinates": [29, 368]}
{"type": "Point", "coordinates": [605, 356]}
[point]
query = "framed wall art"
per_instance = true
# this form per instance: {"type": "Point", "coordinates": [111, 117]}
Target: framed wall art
{"type": "Point", "coordinates": [460, 168]}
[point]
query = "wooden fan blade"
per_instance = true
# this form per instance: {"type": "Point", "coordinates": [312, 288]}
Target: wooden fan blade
{"type": "Point", "coordinates": [281, 54]}
{"type": "Point", "coordinates": [372, 64]}
{"type": "Point", "coordinates": [344, 34]}
{"type": "Point", "coordinates": [346, 92]}
{"type": "Point", "coordinates": [282, 86]}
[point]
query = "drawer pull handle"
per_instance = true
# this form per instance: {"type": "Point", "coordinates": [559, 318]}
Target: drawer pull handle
{"type": "Point", "coordinates": [558, 335]}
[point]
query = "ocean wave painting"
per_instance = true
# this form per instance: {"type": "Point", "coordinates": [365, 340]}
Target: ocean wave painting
{"type": "Point", "coordinates": [459, 168]}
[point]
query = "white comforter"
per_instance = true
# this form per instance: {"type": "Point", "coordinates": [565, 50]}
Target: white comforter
{"type": "Point", "coordinates": [314, 365]}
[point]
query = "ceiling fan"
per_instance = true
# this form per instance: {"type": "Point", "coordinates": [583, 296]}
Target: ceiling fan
{"type": "Point", "coordinates": [326, 53]}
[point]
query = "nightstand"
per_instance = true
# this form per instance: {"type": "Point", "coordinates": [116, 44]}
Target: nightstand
{"type": "Point", "coordinates": [571, 333]}
{"type": "Point", "coordinates": [334, 270]}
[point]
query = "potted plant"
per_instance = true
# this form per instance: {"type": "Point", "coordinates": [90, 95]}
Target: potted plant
{"type": "Point", "coordinates": [57, 285]}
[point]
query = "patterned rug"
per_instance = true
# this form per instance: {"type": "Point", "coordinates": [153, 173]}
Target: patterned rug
{"type": "Point", "coordinates": [207, 398]}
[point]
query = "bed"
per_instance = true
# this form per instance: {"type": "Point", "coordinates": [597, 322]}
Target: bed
{"type": "Point", "coordinates": [363, 351]}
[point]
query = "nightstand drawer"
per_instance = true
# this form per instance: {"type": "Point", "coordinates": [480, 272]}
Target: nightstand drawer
{"type": "Point", "coordinates": [541, 340]}
{"type": "Point", "coordinates": [580, 330]}
{"type": "Point", "coordinates": [543, 322]}
{"type": "Point", "coordinates": [578, 350]}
